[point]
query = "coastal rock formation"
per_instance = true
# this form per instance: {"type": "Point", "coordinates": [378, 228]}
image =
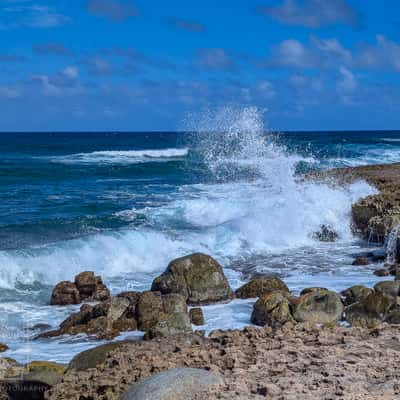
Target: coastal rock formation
{"type": "Point", "coordinates": [319, 306]}
{"type": "Point", "coordinates": [151, 312]}
{"type": "Point", "coordinates": [196, 316]}
{"type": "Point", "coordinates": [272, 309]}
{"type": "Point", "coordinates": [291, 362]}
{"type": "Point", "coordinates": [259, 286]}
{"type": "Point", "coordinates": [197, 277]}
{"type": "Point", "coordinates": [87, 287]}
{"type": "Point", "coordinates": [355, 293]}
{"type": "Point", "coordinates": [174, 384]}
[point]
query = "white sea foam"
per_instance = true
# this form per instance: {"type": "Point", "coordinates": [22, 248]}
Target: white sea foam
{"type": "Point", "coordinates": [122, 157]}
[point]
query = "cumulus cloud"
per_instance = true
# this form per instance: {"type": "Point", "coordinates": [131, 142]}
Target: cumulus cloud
{"type": "Point", "coordinates": [312, 13]}
{"type": "Point", "coordinates": [292, 53]}
{"type": "Point", "coordinates": [114, 10]}
{"type": "Point", "coordinates": [186, 25]}
{"type": "Point", "coordinates": [215, 58]}
{"type": "Point", "coordinates": [57, 49]}
{"type": "Point", "coordinates": [98, 65]}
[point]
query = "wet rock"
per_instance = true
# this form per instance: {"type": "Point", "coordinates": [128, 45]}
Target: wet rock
{"type": "Point", "coordinates": [196, 316]}
{"type": "Point", "coordinates": [91, 287]}
{"type": "Point", "coordinates": [46, 372]}
{"type": "Point", "coordinates": [382, 272]}
{"type": "Point", "coordinates": [320, 306]}
{"type": "Point", "coordinates": [148, 309]}
{"type": "Point", "coordinates": [361, 261]}
{"type": "Point", "coordinates": [3, 347]}
{"type": "Point", "coordinates": [393, 316]}
{"type": "Point", "coordinates": [311, 290]}
{"type": "Point", "coordinates": [175, 384]}
{"type": "Point", "coordinates": [259, 286]}
{"type": "Point", "coordinates": [197, 277]}
{"type": "Point", "coordinates": [389, 288]}
{"type": "Point", "coordinates": [355, 293]}
{"type": "Point", "coordinates": [325, 234]}
{"type": "Point", "coordinates": [65, 293]}
{"type": "Point", "coordinates": [369, 312]}
{"type": "Point", "coordinates": [272, 309]}
{"type": "Point", "coordinates": [87, 287]}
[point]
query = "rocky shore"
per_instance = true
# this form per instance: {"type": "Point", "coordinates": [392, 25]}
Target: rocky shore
{"type": "Point", "coordinates": [316, 345]}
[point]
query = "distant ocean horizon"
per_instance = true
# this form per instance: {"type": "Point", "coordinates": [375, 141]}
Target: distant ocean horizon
{"type": "Point", "coordinates": [124, 204]}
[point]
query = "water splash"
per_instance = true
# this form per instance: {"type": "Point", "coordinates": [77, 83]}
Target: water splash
{"type": "Point", "coordinates": [391, 246]}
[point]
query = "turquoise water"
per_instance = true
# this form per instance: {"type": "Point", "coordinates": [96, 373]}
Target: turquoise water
{"type": "Point", "coordinates": [124, 204]}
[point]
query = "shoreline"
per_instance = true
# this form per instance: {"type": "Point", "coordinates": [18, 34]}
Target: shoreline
{"type": "Point", "coordinates": [236, 371]}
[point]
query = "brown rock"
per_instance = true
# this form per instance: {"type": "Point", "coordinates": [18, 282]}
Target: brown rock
{"type": "Point", "coordinates": [197, 277]}
{"type": "Point", "coordinates": [312, 290]}
{"type": "Point", "coordinates": [382, 272]}
{"type": "Point", "coordinates": [259, 286]}
{"type": "Point", "coordinates": [3, 347]}
{"type": "Point", "coordinates": [320, 306]}
{"type": "Point", "coordinates": [65, 293]}
{"type": "Point", "coordinates": [91, 287]}
{"type": "Point", "coordinates": [148, 310]}
{"type": "Point", "coordinates": [361, 261]}
{"type": "Point", "coordinates": [389, 288]}
{"type": "Point", "coordinates": [355, 293]}
{"type": "Point", "coordinates": [196, 316]}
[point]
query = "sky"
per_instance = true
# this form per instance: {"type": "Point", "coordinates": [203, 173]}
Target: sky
{"type": "Point", "coordinates": [124, 65]}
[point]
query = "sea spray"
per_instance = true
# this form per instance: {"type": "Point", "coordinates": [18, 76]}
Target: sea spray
{"type": "Point", "coordinates": [391, 246]}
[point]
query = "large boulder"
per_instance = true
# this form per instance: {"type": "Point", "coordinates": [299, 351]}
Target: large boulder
{"type": "Point", "coordinates": [389, 288]}
{"type": "Point", "coordinates": [174, 384]}
{"type": "Point", "coordinates": [355, 293]}
{"type": "Point", "coordinates": [272, 309]}
{"type": "Point", "coordinates": [86, 287]}
{"type": "Point", "coordinates": [259, 286]}
{"type": "Point", "coordinates": [370, 311]}
{"type": "Point", "coordinates": [197, 277]}
{"type": "Point", "coordinates": [319, 306]}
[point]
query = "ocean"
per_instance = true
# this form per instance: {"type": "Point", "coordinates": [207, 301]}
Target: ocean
{"type": "Point", "coordinates": [125, 204]}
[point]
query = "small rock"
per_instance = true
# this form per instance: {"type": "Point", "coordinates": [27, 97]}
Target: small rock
{"type": "Point", "coordinates": [3, 347]}
{"type": "Point", "coordinates": [174, 384]}
{"type": "Point", "coordinates": [382, 272]}
{"type": "Point", "coordinates": [361, 261]}
{"type": "Point", "coordinates": [196, 316]}
{"type": "Point", "coordinates": [273, 309]}
{"type": "Point", "coordinates": [197, 277]}
{"type": "Point", "coordinates": [325, 234]}
{"type": "Point", "coordinates": [65, 293]}
{"type": "Point", "coordinates": [320, 306]}
{"type": "Point", "coordinates": [91, 287]}
{"type": "Point", "coordinates": [259, 286]}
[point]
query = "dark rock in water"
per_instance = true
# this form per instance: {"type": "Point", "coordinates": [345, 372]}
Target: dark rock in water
{"type": "Point", "coordinates": [325, 234]}
{"type": "Point", "coordinates": [174, 384]}
{"type": "Point", "coordinates": [361, 261]}
{"type": "Point", "coordinates": [87, 287]}
{"type": "Point", "coordinates": [40, 327]}
{"type": "Point", "coordinates": [312, 290]}
{"type": "Point", "coordinates": [369, 312]}
{"type": "Point", "coordinates": [382, 272]}
{"type": "Point", "coordinates": [65, 293]}
{"type": "Point", "coordinates": [259, 286]}
{"type": "Point", "coordinates": [355, 293]}
{"type": "Point", "coordinates": [320, 306]}
{"type": "Point", "coordinates": [196, 316]}
{"type": "Point", "coordinates": [3, 347]}
{"type": "Point", "coordinates": [272, 309]}
{"type": "Point", "coordinates": [389, 288]}
{"type": "Point", "coordinates": [151, 312]}
{"type": "Point", "coordinates": [197, 277]}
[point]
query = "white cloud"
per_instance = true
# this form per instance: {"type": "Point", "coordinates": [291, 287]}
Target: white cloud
{"type": "Point", "coordinates": [293, 53]}
{"type": "Point", "coordinates": [71, 72]}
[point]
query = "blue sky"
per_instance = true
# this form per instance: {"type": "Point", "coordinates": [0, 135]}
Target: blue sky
{"type": "Point", "coordinates": [145, 65]}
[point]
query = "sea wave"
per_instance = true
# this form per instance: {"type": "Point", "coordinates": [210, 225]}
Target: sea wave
{"type": "Point", "coordinates": [123, 157]}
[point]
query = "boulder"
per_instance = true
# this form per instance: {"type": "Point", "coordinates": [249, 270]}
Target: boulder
{"type": "Point", "coordinates": [311, 290]}
{"type": "Point", "coordinates": [87, 287]}
{"type": "Point", "coordinates": [382, 272]}
{"type": "Point", "coordinates": [325, 234]}
{"type": "Point", "coordinates": [92, 358]}
{"type": "Point", "coordinates": [272, 309]}
{"type": "Point", "coordinates": [320, 306]}
{"type": "Point", "coordinates": [148, 309]}
{"type": "Point", "coordinates": [393, 316]}
{"type": "Point", "coordinates": [389, 288]}
{"type": "Point", "coordinates": [46, 372]}
{"type": "Point", "coordinates": [174, 384]}
{"type": "Point", "coordinates": [91, 287]}
{"type": "Point", "coordinates": [259, 286]}
{"type": "Point", "coordinates": [355, 293]}
{"type": "Point", "coordinates": [370, 311]}
{"type": "Point", "coordinates": [197, 277]}
{"type": "Point", "coordinates": [361, 261]}
{"type": "Point", "coordinates": [65, 293]}
{"type": "Point", "coordinates": [196, 316]}
{"type": "Point", "coordinates": [3, 347]}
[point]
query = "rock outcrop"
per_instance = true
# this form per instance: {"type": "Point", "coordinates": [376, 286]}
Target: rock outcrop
{"type": "Point", "coordinates": [197, 277]}
{"type": "Point", "coordinates": [87, 287]}
{"type": "Point", "coordinates": [355, 293]}
{"type": "Point", "coordinates": [259, 286]}
{"type": "Point", "coordinates": [151, 312]}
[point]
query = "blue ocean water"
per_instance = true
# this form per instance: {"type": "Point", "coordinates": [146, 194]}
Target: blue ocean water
{"type": "Point", "coordinates": [124, 204]}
